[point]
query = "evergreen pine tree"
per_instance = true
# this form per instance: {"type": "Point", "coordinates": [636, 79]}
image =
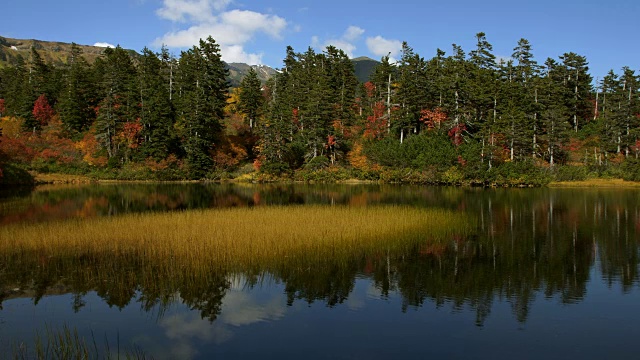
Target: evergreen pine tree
{"type": "Point", "coordinates": [156, 111]}
{"type": "Point", "coordinates": [251, 99]}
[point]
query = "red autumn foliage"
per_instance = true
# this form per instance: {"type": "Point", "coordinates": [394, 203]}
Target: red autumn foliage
{"type": "Point", "coordinates": [376, 123]}
{"type": "Point", "coordinates": [131, 133]}
{"type": "Point", "coordinates": [462, 161]}
{"type": "Point", "coordinates": [433, 118]}
{"type": "Point", "coordinates": [370, 88]}
{"type": "Point", "coordinates": [170, 162]}
{"type": "Point", "coordinates": [2, 107]}
{"type": "Point", "coordinates": [455, 134]}
{"type": "Point", "coordinates": [16, 149]}
{"type": "Point", "coordinates": [331, 141]}
{"type": "Point", "coordinates": [296, 116]}
{"type": "Point", "coordinates": [42, 111]}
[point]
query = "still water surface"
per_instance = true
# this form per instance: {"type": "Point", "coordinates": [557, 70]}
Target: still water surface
{"type": "Point", "coordinates": [547, 273]}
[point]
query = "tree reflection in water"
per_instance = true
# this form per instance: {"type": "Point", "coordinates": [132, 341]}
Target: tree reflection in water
{"type": "Point", "coordinates": [528, 243]}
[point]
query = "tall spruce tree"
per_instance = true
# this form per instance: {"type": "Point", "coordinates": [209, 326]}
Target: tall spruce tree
{"type": "Point", "coordinates": [156, 110]}
{"type": "Point", "coordinates": [554, 110]}
{"type": "Point", "coordinates": [120, 101]}
{"type": "Point", "coordinates": [75, 102]}
{"type": "Point", "coordinates": [203, 90]}
{"type": "Point", "coordinates": [577, 92]}
{"type": "Point", "coordinates": [250, 98]}
{"type": "Point", "coordinates": [412, 91]}
{"type": "Point", "coordinates": [527, 78]}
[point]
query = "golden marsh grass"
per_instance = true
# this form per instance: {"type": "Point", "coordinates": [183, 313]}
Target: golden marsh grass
{"type": "Point", "coordinates": [596, 183]}
{"type": "Point", "coordinates": [238, 236]}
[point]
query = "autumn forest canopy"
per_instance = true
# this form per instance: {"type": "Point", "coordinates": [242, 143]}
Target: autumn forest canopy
{"type": "Point", "coordinates": [458, 117]}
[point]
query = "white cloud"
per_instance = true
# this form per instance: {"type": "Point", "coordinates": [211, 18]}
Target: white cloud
{"type": "Point", "coordinates": [380, 46]}
{"type": "Point", "coordinates": [190, 10]}
{"type": "Point", "coordinates": [104, 45]}
{"type": "Point", "coordinates": [353, 33]}
{"type": "Point", "coordinates": [315, 41]}
{"type": "Point", "coordinates": [346, 42]}
{"type": "Point", "coordinates": [231, 29]}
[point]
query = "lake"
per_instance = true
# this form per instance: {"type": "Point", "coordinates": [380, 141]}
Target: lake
{"type": "Point", "coordinates": [544, 272]}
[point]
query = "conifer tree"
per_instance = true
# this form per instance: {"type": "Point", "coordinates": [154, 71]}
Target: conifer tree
{"type": "Point", "coordinates": [577, 92]}
{"type": "Point", "coordinates": [554, 110]}
{"type": "Point", "coordinates": [75, 105]}
{"type": "Point", "coordinates": [120, 101]}
{"type": "Point", "coordinates": [412, 91]}
{"type": "Point", "coordinates": [383, 78]}
{"type": "Point", "coordinates": [250, 98]}
{"type": "Point", "coordinates": [156, 111]}
{"type": "Point", "coordinates": [202, 97]}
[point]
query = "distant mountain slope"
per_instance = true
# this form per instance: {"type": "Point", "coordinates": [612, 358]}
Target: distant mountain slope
{"type": "Point", "coordinates": [57, 53]}
{"type": "Point", "coordinates": [237, 71]}
{"type": "Point", "coordinates": [364, 67]}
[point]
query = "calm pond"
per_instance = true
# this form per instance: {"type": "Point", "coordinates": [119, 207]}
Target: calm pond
{"type": "Point", "coordinates": [544, 273]}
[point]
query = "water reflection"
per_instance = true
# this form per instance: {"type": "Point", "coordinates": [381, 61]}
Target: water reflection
{"type": "Point", "coordinates": [529, 245]}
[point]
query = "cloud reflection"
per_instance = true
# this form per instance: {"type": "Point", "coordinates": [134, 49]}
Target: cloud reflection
{"type": "Point", "coordinates": [187, 331]}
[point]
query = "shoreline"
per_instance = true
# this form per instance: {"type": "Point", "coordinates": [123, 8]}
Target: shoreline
{"type": "Point", "coordinates": [59, 179]}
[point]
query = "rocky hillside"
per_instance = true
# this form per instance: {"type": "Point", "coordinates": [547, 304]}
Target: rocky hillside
{"type": "Point", "coordinates": [237, 71]}
{"type": "Point", "coordinates": [57, 53]}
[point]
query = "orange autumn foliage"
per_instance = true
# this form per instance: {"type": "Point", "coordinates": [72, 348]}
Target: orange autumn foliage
{"type": "Point", "coordinates": [359, 161]}
{"type": "Point", "coordinates": [229, 153]}
{"type": "Point", "coordinates": [433, 118]}
{"type": "Point", "coordinates": [89, 147]}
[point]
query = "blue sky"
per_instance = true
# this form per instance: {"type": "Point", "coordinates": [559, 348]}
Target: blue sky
{"type": "Point", "coordinates": [258, 31]}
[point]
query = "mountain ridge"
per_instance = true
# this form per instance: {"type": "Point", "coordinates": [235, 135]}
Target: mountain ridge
{"type": "Point", "coordinates": [14, 51]}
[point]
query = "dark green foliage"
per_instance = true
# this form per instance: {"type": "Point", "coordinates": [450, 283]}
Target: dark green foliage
{"type": "Point", "coordinates": [156, 110]}
{"type": "Point", "coordinates": [201, 100]}
{"type": "Point", "coordinates": [317, 163]}
{"type": "Point", "coordinates": [570, 173]}
{"type": "Point", "coordinates": [522, 173]}
{"type": "Point", "coordinates": [251, 100]}
{"type": "Point", "coordinates": [631, 169]}
{"type": "Point", "coordinates": [13, 174]}
{"type": "Point", "coordinates": [422, 152]}
{"type": "Point", "coordinates": [77, 99]}
{"type": "Point", "coordinates": [275, 168]}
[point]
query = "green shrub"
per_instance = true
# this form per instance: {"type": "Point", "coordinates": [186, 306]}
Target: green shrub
{"type": "Point", "coordinates": [317, 163]}
{"type": "Point", "coordinates": [420, 152]}
{"type": "Point", "coordinates": [521, 173]}
{"type": "Point", "coordinates": [275, 168]}
{"type": "Point", "coordinates": [630, 169]}
{"type": "Point", "coordinates": [570, 173]}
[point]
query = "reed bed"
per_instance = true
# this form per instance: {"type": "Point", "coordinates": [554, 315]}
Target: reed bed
{"type": "Point", "coordinates": [237, 237]}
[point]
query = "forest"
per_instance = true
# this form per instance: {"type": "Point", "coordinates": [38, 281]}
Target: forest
{"type": "Point", "coordinates": [460, 118]}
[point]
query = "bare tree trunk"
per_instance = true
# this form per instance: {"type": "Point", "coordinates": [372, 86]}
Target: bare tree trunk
{"type": "Point", "coordinates": [389, 104]}
{"type": "Point", "coordinates": [535, 126]}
